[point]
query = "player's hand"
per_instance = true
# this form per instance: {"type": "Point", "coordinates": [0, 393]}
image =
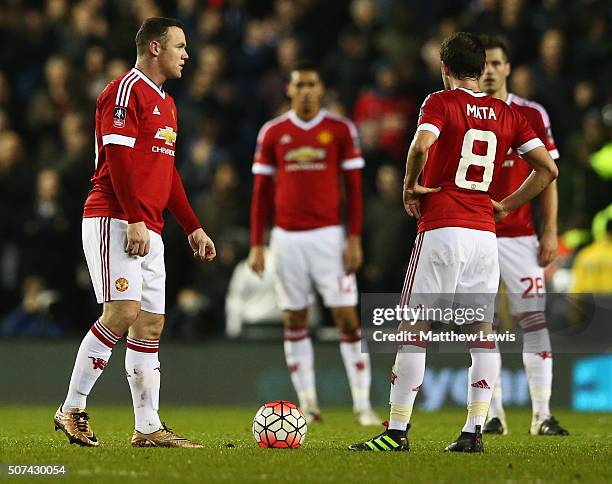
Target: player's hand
{"type": "Point", "coordinates": [256, 259]}
{"type": "Point", "coordinates": [137, 241]}
{"type": "Point", "coordinates": [412, 199]}
{"type": "Point", "coordinates": [353, 255]}
{"type": "Point", "coordinates": [547, 251]}
{"type": "Point", "coordinates": [499, 211]}
{"type": "Point", "coordinates": [202, 245]}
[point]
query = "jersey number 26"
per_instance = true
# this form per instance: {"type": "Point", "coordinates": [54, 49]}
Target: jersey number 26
{"type": "Point", "coordinates": [468, 157]}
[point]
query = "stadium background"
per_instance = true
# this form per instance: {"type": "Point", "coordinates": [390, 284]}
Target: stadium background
{"type": "Point", "coordinates": [379, 60]}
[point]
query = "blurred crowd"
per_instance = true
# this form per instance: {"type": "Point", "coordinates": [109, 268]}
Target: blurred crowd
{"type": "Point", "coordinates": [379, 59]}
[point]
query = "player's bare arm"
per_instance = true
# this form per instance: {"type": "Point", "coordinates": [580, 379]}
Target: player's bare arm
{"type": "Point", "coordinates": [415, 162]}
{"type": "Point", "coordinates": [353, 254]}
{"type": "Point", "coordinates": [545, 171]}
{"type": "Point", "coordinates": [549, 201]}
{"type": "Point", "coordinates": [499, 211]}
{"type": "Point", "coordinates": [202, 245]}
{"type": "Point", "coordinates": [137, 239]}
{"type": "Point", "coordinates": [256, 259]}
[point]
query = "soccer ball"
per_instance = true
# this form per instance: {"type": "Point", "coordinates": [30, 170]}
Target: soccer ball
{"type": "Point", "coordinates": [280, 425]}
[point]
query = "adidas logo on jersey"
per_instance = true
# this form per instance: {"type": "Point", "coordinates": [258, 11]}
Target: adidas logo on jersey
{"type": "Point", "coordinates": [156, 110]}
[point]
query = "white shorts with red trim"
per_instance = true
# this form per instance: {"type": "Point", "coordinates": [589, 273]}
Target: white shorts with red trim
{"type": "Point", "coordinates": [522, 274]}
{"type": "Point", "coordinates": [118, 276]}
{"type": "Point", "coordinates": [450, 268]}
{"type": "Point", "coordinates": [311, 259]}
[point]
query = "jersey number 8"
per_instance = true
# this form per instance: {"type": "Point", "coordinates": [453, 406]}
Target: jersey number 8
{"type": "Point", "coordinates": [468, 157]}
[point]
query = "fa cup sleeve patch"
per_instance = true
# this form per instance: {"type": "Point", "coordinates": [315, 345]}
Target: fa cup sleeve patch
{"type": "Point", "coordinates": [119, 116]}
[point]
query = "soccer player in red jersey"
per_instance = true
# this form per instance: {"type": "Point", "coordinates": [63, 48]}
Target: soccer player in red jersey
{"type": "Point", "coordinates": [522, 257]}
{"type": "Point", "coordinates": [300, 161]}
{"type": "Point", "coordinates": [462, 138]}
{"type": "Point", "coordinates": [135, 180]}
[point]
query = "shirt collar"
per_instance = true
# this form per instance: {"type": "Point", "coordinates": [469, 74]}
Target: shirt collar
{"type": "Point", "coordinates": [475, 94]}
{"type": "Point", "coordinates": [306, 125]}
{"type": "Point", "coordinates": [144, 77]}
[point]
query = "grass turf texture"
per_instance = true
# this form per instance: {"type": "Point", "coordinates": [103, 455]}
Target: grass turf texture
{"type": "Point", "coordinates": [230, 453]}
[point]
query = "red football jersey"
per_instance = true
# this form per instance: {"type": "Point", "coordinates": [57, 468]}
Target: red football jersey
{"type": "Point", "coordinates": [307, 159]}
{"type": "Point", "coordinates": [475, 131]}
{"type": "Point", "coordinates": [514, 170]}
{"type": "Point", "coordinates": [132, 111]}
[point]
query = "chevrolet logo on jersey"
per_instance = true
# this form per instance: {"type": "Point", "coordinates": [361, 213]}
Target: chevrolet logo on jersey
{"type": "Point", "coordinates": [305, 154]}
{"type": "Point", "coordinates": [167, 134]}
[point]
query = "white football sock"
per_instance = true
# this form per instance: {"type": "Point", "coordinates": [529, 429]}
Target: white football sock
{"type": "Point", "coordinates": [142, 370]}
{"type": "Point", "coordinates": [406, 379]}
{"type": "Point", "coordinates": [482, 375]}
{"type": "Point", "coordinates": [537, 358]}
{"type": "Point", "coordinates": [300, 362]}
{"type": "Point", "coordinates": [91, 359]}
{"type": "Point", "coordinates": [496, 409]}
{"type": "Point", "coordinates": [357, 365]}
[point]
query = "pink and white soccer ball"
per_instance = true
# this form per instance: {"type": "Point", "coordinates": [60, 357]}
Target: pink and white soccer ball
{"type": "Point", "coordinates": [279, 425]}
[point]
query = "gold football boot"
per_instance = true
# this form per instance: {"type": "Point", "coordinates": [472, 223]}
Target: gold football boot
{"type": "Point", "coordinates": [75, 424]}
{"type": "Point", "coordinates": [164, 437]}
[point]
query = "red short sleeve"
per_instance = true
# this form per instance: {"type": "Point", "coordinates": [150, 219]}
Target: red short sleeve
{"type": "Point", "coordinates": [525, 138]}
{"type": "Point", "coordinates": [119, 114]}
{"type": "Point", "coordinates": [546, 135]}
{"type": "Point", "coordinates": [432, 115]}
{"type": "Point", "coordinates": [264, 162]}
{"type": "Point", "coordinates": [350, 148]}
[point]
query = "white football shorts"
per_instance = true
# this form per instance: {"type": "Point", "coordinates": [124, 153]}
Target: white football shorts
{"type": "Point", "coordinates": [118, 276]}
{"type": "Point", "coordinates": [452, 269]}
{"type": "Point", "coordinates": [522, 274]}
{"type": "Point", "coordinates": [307, 258]}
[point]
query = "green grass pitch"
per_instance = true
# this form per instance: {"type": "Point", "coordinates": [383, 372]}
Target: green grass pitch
{"type": "Point", "coordinates": [231, 455]}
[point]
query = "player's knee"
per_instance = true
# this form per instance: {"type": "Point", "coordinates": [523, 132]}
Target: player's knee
{"type": "Point", "coordinates": [154, 328]}
{"type": "Point", "coordinates": [346, 320]}
{"type": "Point", "coordinates": [295, 319]}
{"type": "Point", "coordinates": [153, 332]}
{"type": "Point", "coordinates": [148, 326]}
{"type": "Point", "coordinates": [118, 316]}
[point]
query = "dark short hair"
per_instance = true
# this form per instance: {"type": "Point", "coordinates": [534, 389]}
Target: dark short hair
{"type": "Point", "coordinates": [306, 65]}
{"type": "Point", "coordinates": [464, 55]}
{"type": "Point", "coordinates": [154, 28]}
{"type": "Point", "coordinates": [496, 42]}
